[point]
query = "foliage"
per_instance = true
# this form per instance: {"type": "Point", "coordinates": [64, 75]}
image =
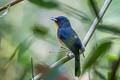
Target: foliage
{"type": "Point", "coordinates": [26, 31]}
{"type": "Point", "coordinates": [45, 4]}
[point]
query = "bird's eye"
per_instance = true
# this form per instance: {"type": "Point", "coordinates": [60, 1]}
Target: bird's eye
{"type": "Point", "coordinates": [58, 19]}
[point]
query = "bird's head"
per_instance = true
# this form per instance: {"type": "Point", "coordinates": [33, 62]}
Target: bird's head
{"type": "Point", "coordinates": [61, 21]}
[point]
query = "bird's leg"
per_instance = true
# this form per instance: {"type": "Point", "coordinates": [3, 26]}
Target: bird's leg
{"type": "Point", "coordinates": [70, 54]}
{"type": "Point", "coordinates": [83, 54]}
{"type": "Point", "coordinates": [82, 51]}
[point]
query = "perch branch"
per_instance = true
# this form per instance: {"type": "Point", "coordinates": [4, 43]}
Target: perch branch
{"type": "Point", "coordinates": [10, 4]}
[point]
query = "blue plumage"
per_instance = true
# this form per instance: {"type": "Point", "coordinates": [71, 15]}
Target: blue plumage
{"type": "Point", "coordinates": [69, 37]}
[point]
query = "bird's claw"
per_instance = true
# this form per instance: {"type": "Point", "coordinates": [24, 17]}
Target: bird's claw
{"type": "Point", "coordinates": [70, 54]}
{"type": "Point", "coordinates": [83, 55]}
{"type": "Point", "coordinates": [82, 51]}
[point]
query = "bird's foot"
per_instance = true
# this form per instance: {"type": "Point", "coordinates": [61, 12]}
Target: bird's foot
{"type": "Point", "coordinates": [70, 54]}
{"type": "Point", "coordinates": [83, 55]}
{"type": "Point", "coordinates": [82, 51]}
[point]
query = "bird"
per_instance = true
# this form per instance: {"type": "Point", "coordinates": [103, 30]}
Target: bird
{"type": "Point", "coordinates": [68, 37]}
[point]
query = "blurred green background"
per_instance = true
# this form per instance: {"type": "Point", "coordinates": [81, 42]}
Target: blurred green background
{"type": "Point", "coordinates": [26, 31]}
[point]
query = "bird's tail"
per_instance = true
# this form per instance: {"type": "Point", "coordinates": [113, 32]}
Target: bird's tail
{"type": "Point", "coordinates": [77, 66]}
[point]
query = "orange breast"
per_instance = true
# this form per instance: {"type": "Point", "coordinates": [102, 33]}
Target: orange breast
{"type": "Point", "coordinates": [57, 36]}
{"type": "Point", "coordinates": [57, 26]}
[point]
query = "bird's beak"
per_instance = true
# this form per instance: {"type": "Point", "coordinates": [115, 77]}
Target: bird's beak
{"type": "Point", "coordinates": [53, 19]}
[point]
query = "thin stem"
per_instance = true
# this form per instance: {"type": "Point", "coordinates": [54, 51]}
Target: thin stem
{"type": "Point", "coordinates": [32, 68]}
{"type": "Point", "coordinates": [87, 36]}
{"type": "Point", "coordinates": [89, 76]}
{"type": "Point", "coordinates": [96, 22]}
{"type": "Point", "coordinates": [10, 4]}
{"type": "Point", "coordinates": [114, 70]}
{"type": "Point", "coordinates": [99, 74]}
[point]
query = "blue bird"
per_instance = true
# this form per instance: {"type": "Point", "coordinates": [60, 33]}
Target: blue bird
{"type": "Point", "coordinates": [68, 37]}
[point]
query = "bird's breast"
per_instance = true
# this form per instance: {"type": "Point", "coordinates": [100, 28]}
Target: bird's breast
{"type": "Point", "coordinates": [57, 26]}
{"type": "Point", "coordinates": [59, 36]}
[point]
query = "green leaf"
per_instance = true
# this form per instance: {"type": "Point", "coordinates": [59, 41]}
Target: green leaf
{"type": "Point", "coordinates": [78, 14]}
{"type": "Point", "coordinates": [109, 29]}
{"type": "Point", "coordinates": [95, 53]}
{"type": "Point", "coordinates": [21, 48]}
{"type": "Point", "coordinates": [97, 72]}
{"type": "Point", "coordinates": [39, 30]}
{"type": "Point", "coordinates": [111, 57]}
{"type": "Point", "coordinates": [108, 75]}
{"type": "Point", "coordinates": [114, 69]}
{"type": "Point", "coordinates": [24, 60]}
{"type": "Point", "coordinates": [93, 7]}
{"type": "Point", "coordinates": [45, 4]}
{"type": "Point", "coordinates": [24, 47]}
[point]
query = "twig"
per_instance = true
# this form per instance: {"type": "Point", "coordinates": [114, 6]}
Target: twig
{"type": "Point", "coordinates": [10, 4]}
{"type": "Point", "coordinates": [96, 22]}
{"type": "Point", "coordinates": [114, 70]}
{"type": "Point", "coordinates": [95, 7]}
{"type": "Point", "coordinates": [87, 36]}
{"type": "Point", "coordinates": [99, 74]}
{"type": "Point", "coordinates": [32, 68]}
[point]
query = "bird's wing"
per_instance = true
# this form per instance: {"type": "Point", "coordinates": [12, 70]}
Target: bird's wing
{"type": "Point", "coordinates": [69, 38]}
